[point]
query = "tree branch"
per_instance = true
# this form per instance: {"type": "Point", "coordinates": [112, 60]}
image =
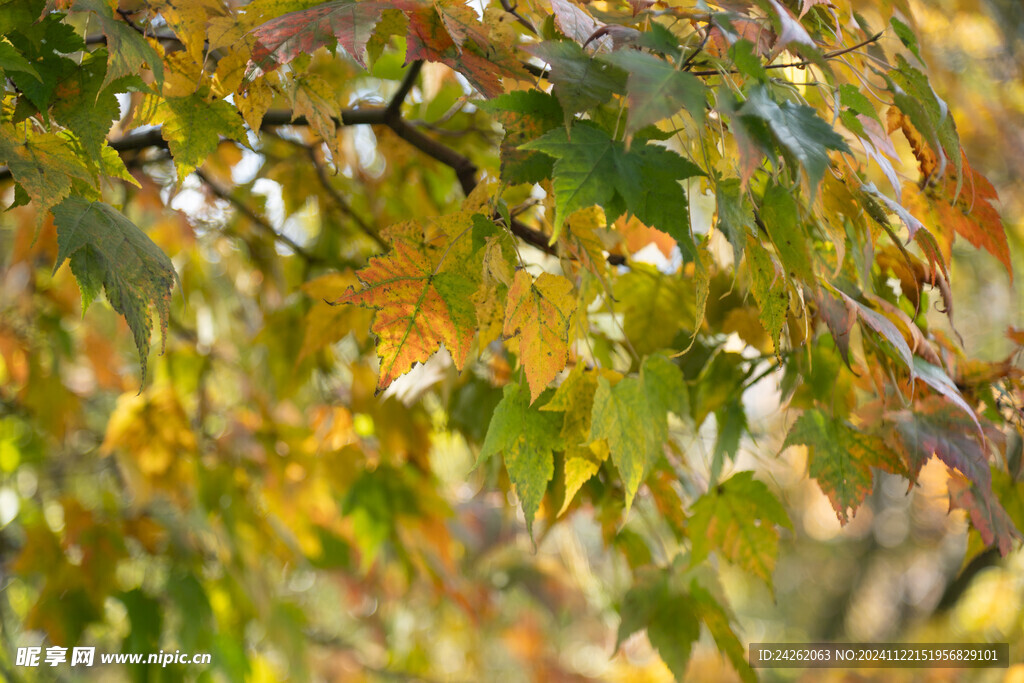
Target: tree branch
{"type": "Point", "coordinates": [257, 220]}
{"type": "Point", "coordinates": [802, 63]}
{"type": "Point", "coordinates": [394, 108]}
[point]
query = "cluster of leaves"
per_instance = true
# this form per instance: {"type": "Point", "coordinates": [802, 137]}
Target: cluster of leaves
{"type": "Point", "coordinates": [574, 360]}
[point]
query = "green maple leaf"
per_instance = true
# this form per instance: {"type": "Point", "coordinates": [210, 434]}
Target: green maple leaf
{"type": "Point", "coordinates": [528, 438]}
{"type": "Point", "coordinates": [647, 179]}
{"type": "Point", "coordinates": [770, 288]}
{"type": "Point", "coordinates": [737, 518]}
{"type": "Point", "coordinates": [591, 168]}
{"type": "Point", "coordinates": [128, 50]}
{"type": "Point", "coordinates": [109, 252]}
{"type": "Point", "coordinates": [525, 115]}
{"type": "Point", "coordinates": [631, 417]}
{"type": "Point", "coordinates": [797, 129]}
{"type": "Point", "coordinates": [581, 82]}
{"type": "Point", "coordinates": [654, 307]}
{"type": "Point", "coordinates": [657, 90]}
{"type": "Point", "coordinates": [670, 615]}
{"type": "Point", "coordinates": [781, 216]}
{"type": "Point", "coordinates": [88, 108]}
{"type": "Point", "coordinates": [735, 215]}
{"type": "Point", "coordinates": [622, 417]}
{"type": "Point", "coordinates": [585, 172]}
{"type": "Point", "coordinates": [193, 126]}
{"type": "Point", "coordinates": [841, 459]}
{"type": "Point", "coordinates": [44, 164]}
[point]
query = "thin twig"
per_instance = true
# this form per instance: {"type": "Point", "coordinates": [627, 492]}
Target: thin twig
{"type": "Point", "coordinates": [802, 63]}
{"type": "Point", "coordinates": [340, 200]}
{"type": "Point", "coordinates": [512, 9]}
{"type": "Point", "coordinates": [256, 219]}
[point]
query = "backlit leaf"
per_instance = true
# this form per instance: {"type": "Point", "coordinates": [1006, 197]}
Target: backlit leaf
{"type": "Point", "coordinates": [538, 314]}
{"type": "Point", "coordinates": [127, 49]}
{"type": "Point", "coordinates": [193, 126]}
{"type": "Point", "coordinates": [986, 513]}
{"type": "Point", "coordinates": [737, 518]}
{"type": "Point", "coordinates": [580, 81]}
{"type": "Point", "coordinates": [109, 251]}
{"type": "Point", "coordinates": [841, 458]}
{"type": "Point", "coordinates": [281, 40]}
{"type": "Point", "coordinates": [937, 428]}
{"type": "Point", "coordinates": [418, 309]}
{"type": "Point", "coordinates": [527, 437]}
{"type": "Point", "coordinates": [657, 90]}
{"type": "Point", "coordinates": [798, 130]}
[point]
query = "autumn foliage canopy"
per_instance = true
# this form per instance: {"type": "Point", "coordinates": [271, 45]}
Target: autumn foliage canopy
{"type": "Point", "coordinates": [538, 241]}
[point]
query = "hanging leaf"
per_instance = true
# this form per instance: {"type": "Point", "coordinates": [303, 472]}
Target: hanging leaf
{"type": "Point", "coordinates": [580, 81]}
{"type": "Point", "coordinates": [797, 129]}
{"type": "Point", "coordinates": [738, 519]}
{"type": "Point", "coordinates": [107, 251]}
{"type": "Point", "coordinates": [538, 315]}
{"type": "Point", "coordinates": [193, 126]}
{"type": "Point", "coordinates": [657, 90]}
{"type": "Point", "coordinates": [841, 458]}
{"type": "Point", "coordinates": [986, 514]}
{"type": "Point", "coordinates": [669, 615]}
{"type": "Point", "coordinates": [418, 309]}
{"type": "Point", "coordinates": [936, 428]}
{"type": "Point", "coordinates": [527, 437]}
{"type": "Point", "coordinates": [281, 40]}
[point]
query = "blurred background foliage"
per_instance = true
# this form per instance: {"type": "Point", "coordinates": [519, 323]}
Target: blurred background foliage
{"type": "Point", "coordinates": [253, 499]}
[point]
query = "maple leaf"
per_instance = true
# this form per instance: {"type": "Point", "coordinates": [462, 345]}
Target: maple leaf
{"type": "Point", "coordinates": [127, 49]}
{"type": "Point", "coordinates": [669, 614]}
{"type": "Point", "coordinates": [108, 251]}
{"type": "Point", "coordinates": [281, 40]}
{"type": "Point", "coordinates": [418, 309]}
{"type": "Point", "coordinates": [574, 398]}
{"type": "Point", "coordinates": [324, 327]}
{"type": "Point", "coordinates": [654, 307]}
{"type": "Point", "coordinates": [591, 168]}
{"type": "Point", "coordinates": [735, 215]}
{"type": "Point", "coordinates": [538, 315]}
{"type": "Point", "coordinates": [528, 438]}
{"type": "Point", "coordinates": [841, 458]}
{"type": "Point", "coordinates": [780, 215]}
{"type": "Point", "coordinates": [580, 81]}
{"type": "Point", "coordinates": [657, 90]}
{"type": "Point", "coordinates": [791, 31]}
{"type": "Point", "coordinates": [621, 416]}
{"type": "Point", "coordinates": [429, 39]}
{"type": "Point", "coordinates": [737, 518]}
{"type": "Point", "coordinates": [936, 428]}
{"type": "Point", "coordinates": [44, 164]}
{"type": "Point", "coordinates": [576, 23]}
{"type": "Point", "coordinates": [797, 129]}
{"type": "Point", "coordinates": [970, 214]}
{"type": "Point", "coordinates": [986, 513]}
{"type": "Point", "coordinates": [632, 417]}
{"type": "Point", "coordinates": [87, 108]}
{"type": "Point", "coordinates": [718, 620]}
{"type": "Point", "coordinates": [771, 289]}
{"type": "Point", "coordinates": [525, 115]}
{"type": "Point", "coordinates": [462, 23]}
{"type": "Point", "coordinates": [193, 126]}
